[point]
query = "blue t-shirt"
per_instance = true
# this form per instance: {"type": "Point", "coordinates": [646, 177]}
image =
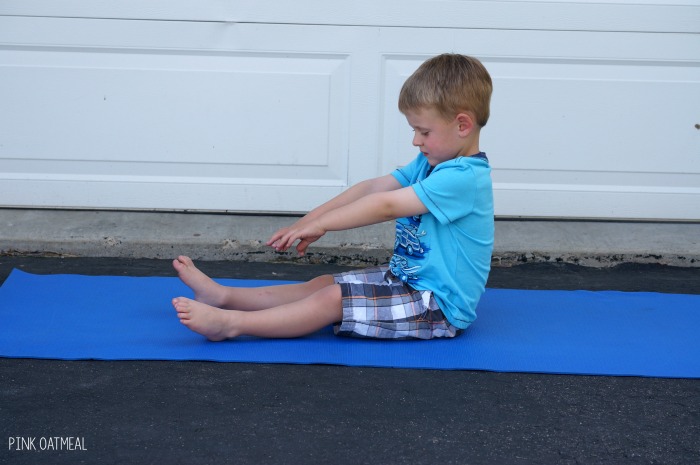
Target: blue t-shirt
{"type": "Point", "coordinates": [447, 250]}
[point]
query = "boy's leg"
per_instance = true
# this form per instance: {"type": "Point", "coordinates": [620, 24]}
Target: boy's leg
{"type": "Point", "coordinates": [294, 319]}
{"type": "Point", "coordinates": [211, 293]}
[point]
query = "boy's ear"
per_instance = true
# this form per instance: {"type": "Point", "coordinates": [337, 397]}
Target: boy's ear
{"type": "Point", "coordinates": [466, 124]}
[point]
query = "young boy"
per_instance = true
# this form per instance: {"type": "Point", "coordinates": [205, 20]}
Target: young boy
{"type": "Point", "coordinates": [443, 206]}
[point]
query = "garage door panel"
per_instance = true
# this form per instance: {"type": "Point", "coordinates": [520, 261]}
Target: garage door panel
{"type": "Point", "coordinates": [214, 109]}
{"type": "Point", "coordinates": [107, 115]}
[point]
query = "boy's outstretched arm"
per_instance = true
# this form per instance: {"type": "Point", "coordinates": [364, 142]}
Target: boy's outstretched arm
{"type": "Point", "coordinates": [357, 191]}
{"type": "Point", "coordinates": [369, 209]}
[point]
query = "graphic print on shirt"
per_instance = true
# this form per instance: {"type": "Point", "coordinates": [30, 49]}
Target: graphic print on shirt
{"type": "Point", "coordinates": [407, 246]}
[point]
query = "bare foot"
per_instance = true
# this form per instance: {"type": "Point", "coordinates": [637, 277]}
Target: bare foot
{"type": "Point", "coordinates": [213, 323]}
{"type": "Point", "coordinates": [205, 289]}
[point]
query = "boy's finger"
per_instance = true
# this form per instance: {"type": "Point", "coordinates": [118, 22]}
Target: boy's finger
{"type": "Point", "coordinates": [273, 239]}
{"type": "Point", "coordinates": [281, 244]}
{"type": "Point", "coordinates": [287, 241]}
{"type": "Point", "coordinates": [302, 246]}
{"type": "Point", "coordinates": [276, 236]}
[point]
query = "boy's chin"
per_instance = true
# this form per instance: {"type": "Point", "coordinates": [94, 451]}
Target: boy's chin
{"type": "Point", "coordinates": [432, 161]}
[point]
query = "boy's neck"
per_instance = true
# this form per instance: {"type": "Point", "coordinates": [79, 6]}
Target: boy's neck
{"type": "Point", "coordinates": [471, 145]}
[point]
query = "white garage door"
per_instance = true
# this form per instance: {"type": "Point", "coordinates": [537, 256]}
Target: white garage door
{"type": "Point", "coordinates": [277, 106]}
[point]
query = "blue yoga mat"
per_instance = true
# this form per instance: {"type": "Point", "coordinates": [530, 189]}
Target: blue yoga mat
{"type": "Point", "coordinates": [76, 317]}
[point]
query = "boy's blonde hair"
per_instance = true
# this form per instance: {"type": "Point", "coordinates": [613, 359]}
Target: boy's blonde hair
{"type": "Point", "coordinates": [451, 84]}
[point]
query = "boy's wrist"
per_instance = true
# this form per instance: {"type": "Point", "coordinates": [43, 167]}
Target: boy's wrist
{"type": "Point", "coordinates": [321, 225]}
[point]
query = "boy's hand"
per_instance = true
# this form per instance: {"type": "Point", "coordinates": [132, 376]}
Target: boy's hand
{"type": "Point", "coordinates": [305, 232]}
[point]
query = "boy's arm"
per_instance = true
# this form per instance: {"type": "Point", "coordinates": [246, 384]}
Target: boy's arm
{"type": "Point", "coordinates": [359, 190]}
{"type": "Point", "coordinates": [369, 209]}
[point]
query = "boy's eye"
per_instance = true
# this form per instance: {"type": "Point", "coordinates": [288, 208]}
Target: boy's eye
{"type": "Point", "coordinates": [425, 133]}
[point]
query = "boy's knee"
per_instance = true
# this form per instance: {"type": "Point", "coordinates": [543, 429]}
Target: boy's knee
{"type": "Point", "coordinates": [330, 298]}
{"type": "Point", "coordinates": [326, 279]}
{"type": "Point", "coordinates": [329, 303]}
{"type": "Point", "coordinates": [332, 293]}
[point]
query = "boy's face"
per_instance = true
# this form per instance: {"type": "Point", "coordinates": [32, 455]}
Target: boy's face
{"type": "Point", "coordinates": [439, 140]}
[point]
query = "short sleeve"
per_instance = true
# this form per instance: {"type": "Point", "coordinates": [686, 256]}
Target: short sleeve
{"type": "Point", "coordinates": [448, 193]}
{"type": "Point", "coordinates": [408, 174]}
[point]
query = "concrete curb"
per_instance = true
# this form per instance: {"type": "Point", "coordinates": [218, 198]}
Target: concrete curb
{"type": "Point", "coordinates": [242, 237]}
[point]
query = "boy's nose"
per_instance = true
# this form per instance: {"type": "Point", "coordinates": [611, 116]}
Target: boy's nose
{"type": "Point", "coordinates": [416, 140]}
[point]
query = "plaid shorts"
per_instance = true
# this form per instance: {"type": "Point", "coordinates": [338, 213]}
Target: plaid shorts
{"type": "Point", "coordinates": [376, 304]}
